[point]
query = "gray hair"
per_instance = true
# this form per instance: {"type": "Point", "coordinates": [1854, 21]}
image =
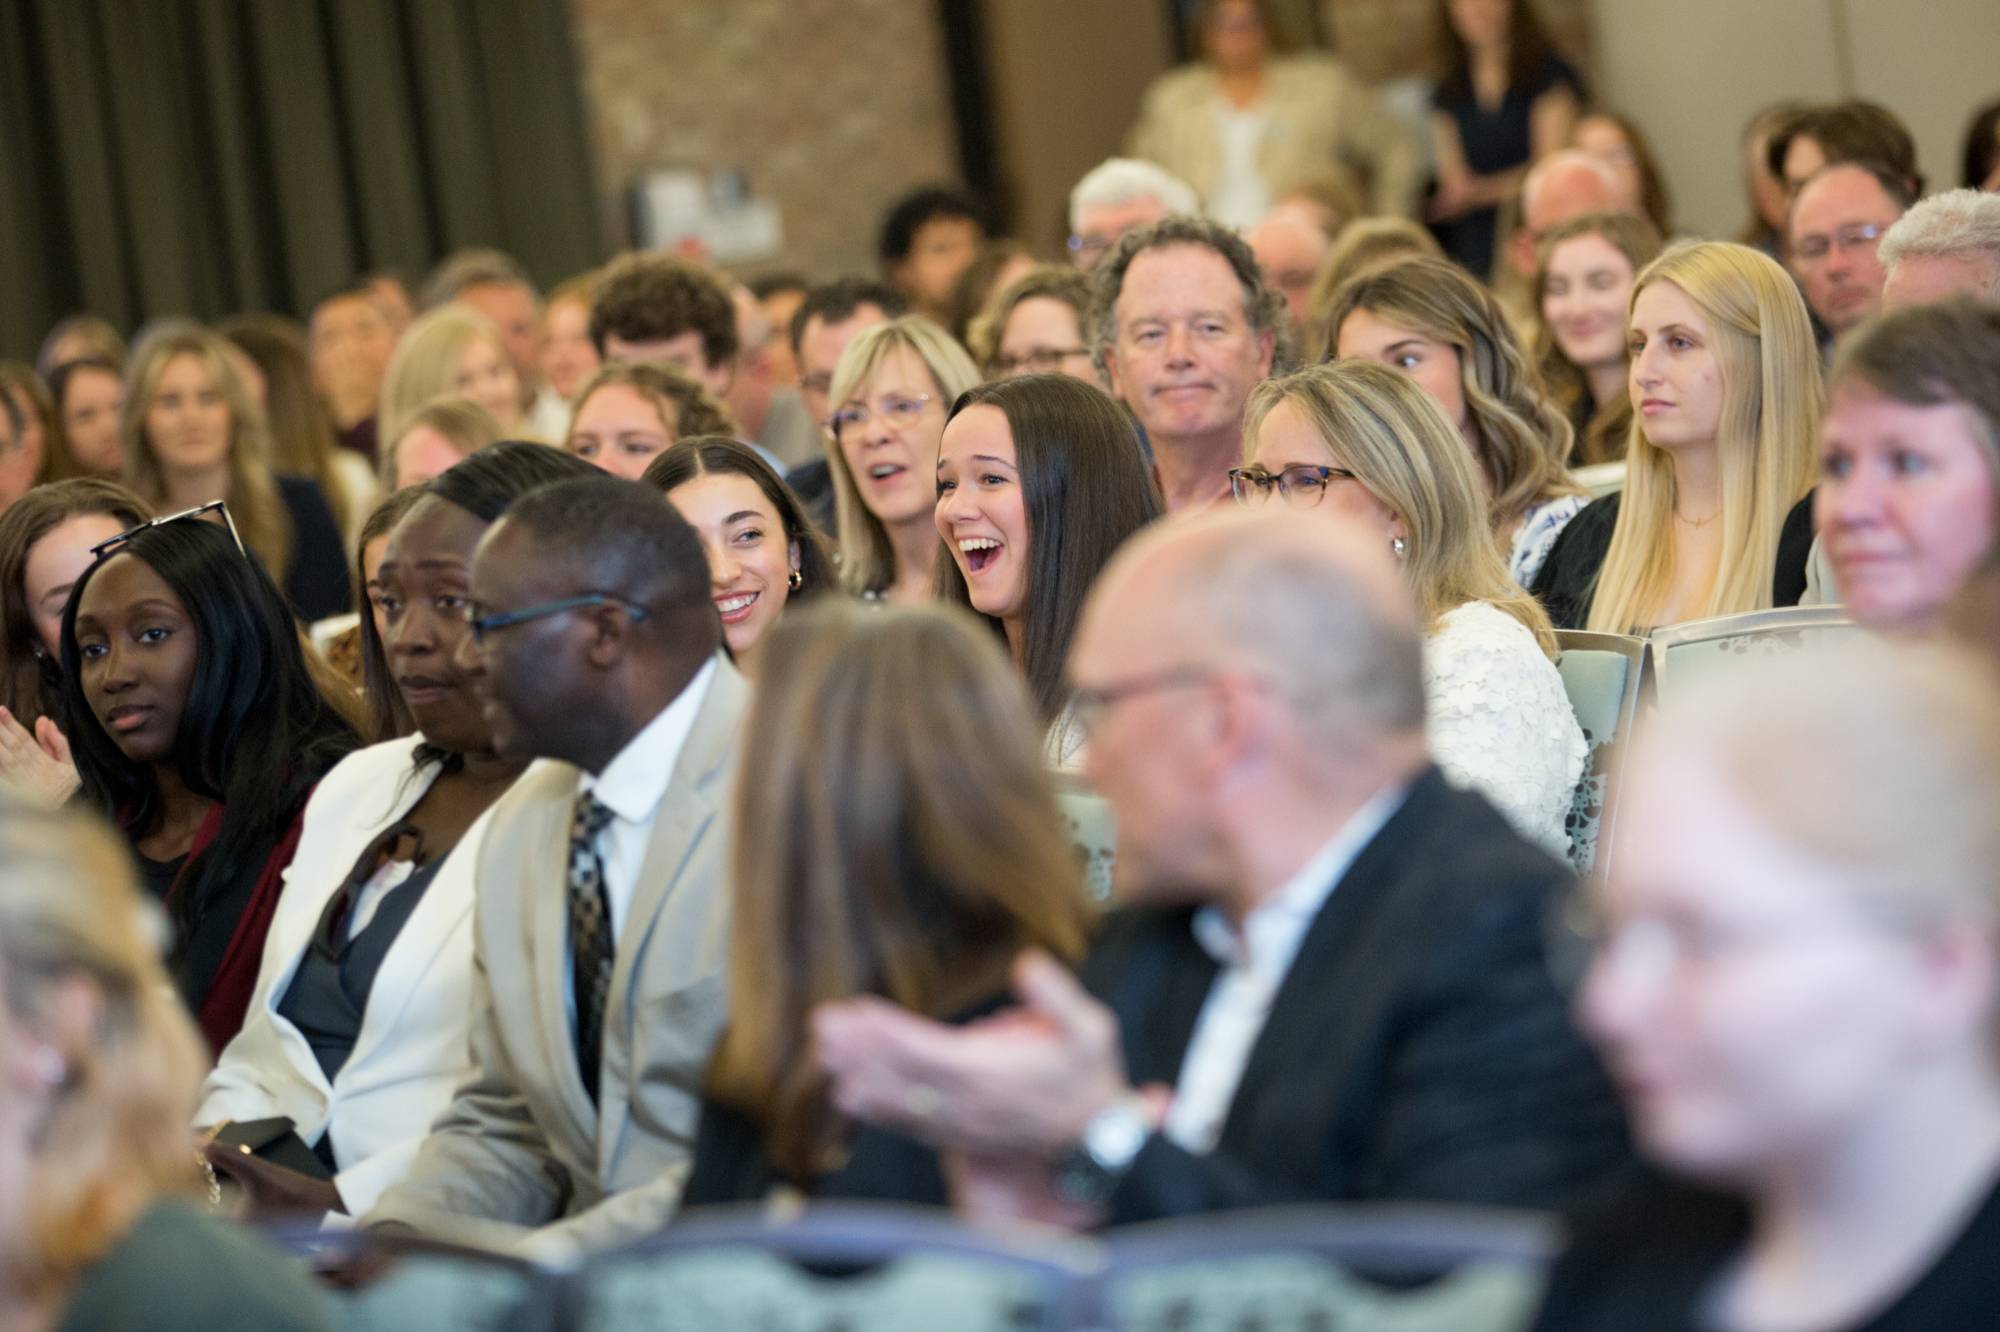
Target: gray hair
{"type": "Point", "coordinates": [1120, 180]}
{"type": "Point", "coordinates": [1263, 305]}
{"type": "Point", "coordinates": [1956, 224]}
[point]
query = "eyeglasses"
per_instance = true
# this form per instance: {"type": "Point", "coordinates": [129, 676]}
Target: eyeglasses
{"type": "Point", "coordinates": [482, 625]}
{"type": "Point", "coordinates": [1302, 485]}
{"type": "Point", "coordinates": [899, 412]}
{"type": "Point", "coordinates": [1039, 361]}
{"type": "Point", "coordinates": [1854, 236]}
{"type": "Point", "coordinates": [1087, 250]}
{"type": "Point", "coordinates": [1088, 706]}
{"type": "Point", "coordinates": [213, 506]}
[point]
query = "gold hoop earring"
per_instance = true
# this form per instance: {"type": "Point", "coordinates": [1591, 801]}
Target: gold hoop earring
{"type": "Point", "coordinates": [796, 581]}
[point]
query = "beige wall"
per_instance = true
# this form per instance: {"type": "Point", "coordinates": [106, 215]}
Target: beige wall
{"type": "Point", "coordinates": [833, 107]}
{"type": "Point", "coordinates": [1694, 72]}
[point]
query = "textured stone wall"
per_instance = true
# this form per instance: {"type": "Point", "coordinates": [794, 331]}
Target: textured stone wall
{"type": "Point", "coordinates": [833, 107]}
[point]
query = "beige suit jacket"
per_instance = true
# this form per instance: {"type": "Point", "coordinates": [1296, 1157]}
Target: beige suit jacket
{"type": "Point", "coordinates": [521, 1158]}
{"type": "Point", "coordinates": [1320, 119]}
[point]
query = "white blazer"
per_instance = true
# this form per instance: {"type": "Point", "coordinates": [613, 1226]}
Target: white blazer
{"type": "Point", "coordinates": [412, 1050]}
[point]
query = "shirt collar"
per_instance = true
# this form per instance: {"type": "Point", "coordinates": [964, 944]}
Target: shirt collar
{"type": "Point", "coordinates": [635, 781]}
{"type": "Point", "coordinates": [1274, 929]}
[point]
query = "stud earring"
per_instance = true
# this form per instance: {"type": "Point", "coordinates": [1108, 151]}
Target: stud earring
{"type": "Point", "coordinates": [796, 581]}
{"type": "Point", "coordinates": [1398, 546]}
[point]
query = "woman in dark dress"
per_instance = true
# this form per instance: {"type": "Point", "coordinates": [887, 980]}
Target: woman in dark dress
{"type": "Point", "coordinates": [197, 728]}
{"type": "Point", "coordinates": [896, 835]}
{"type": "Point", "coordinates": [1506, 100]}
{"type": "Point", "coordinates": [1796, 987]}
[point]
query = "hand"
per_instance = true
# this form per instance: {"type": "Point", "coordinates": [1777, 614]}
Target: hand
{"type": "Point", "coordinates": [1011, 1189]}
{"type": "Point", "coordinates": [1025, 1082]}
{"type": "Point", "coordinates": [36, 767]}
{"type": "Point", "coordinates": [273, 1190]}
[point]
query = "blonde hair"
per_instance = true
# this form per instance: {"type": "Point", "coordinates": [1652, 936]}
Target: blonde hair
{"type": "Point", "coordinates": [1378, 424]}
{"type": "Point", "coordinates": [1523, 440]}
{"type": "Point", "coordinates": [867, 557]}
{"type": "Point", "coordinates": [1765, 444]}
{"type": "Point", "coordinates": [918, 877]}
{"type": "Point", "coordinates": [464, 424]}
{"type": "Point", "coordinates": [115, 1136]}
{"type": "Point", "coordinates": [424, 367]}
{"type": "Point", "coordinates": [1363, 245]}
{"type": "Point", "coordinates": [256, 505]}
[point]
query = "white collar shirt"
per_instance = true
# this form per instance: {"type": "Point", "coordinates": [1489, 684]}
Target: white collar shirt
{"type": "Point", "coordinates": [1253, 966]}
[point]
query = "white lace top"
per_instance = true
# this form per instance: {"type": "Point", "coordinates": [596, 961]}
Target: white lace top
{"type": "Point", "coordinates": [1500, 723]}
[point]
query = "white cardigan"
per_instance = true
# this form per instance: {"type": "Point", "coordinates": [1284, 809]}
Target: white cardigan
{"type": "Point", "coordinates": [412, 1050]}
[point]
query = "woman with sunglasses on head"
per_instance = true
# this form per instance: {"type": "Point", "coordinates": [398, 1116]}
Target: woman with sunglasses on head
{"type": "Point", "coordinates": [357, 1034]}
{"type": "Point", "coordinates": [198, 728]}
{"type": "Point", "coordinates": [1039, 480]}
{"type": "Point", "coordinates": [764, 554]}
{"type": "Point", "coordinates": [45, 542]}
{"type": "Point", "coordinates": [1364, 444]}
{"type": "Point", "coordinates": [890, 391]}
{"type": "Point", "coordinates": [193, 434]}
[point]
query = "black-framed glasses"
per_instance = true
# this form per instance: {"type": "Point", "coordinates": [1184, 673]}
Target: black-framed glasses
{"type": "Point", "coordinates": [1854, 236]}
{"type": "Point", "coordinates": [213, 506]}
{"type": "Point", "coordinates": [482, 625]}
{"type": "Point", "coordinates": [1301, 485]}
{"type": "Point", "coordinates": [1088, 706]}
{"type": "Point", "coordinates": [1040, 361]}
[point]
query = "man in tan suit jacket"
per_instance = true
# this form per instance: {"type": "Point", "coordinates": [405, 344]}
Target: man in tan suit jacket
{"type": "Point", "coordinates": [597, 648]}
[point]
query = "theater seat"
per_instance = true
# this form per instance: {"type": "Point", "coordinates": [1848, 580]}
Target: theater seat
{"type": "Point", "coordinates": [1604, 676]}
{"type": "Point", "coordinates": [1684, 652]}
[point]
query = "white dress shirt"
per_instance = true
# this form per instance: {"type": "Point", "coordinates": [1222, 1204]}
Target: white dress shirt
{"type": "Point", "coordinates": [632, 786]}
{"type": "Point", "coordinates": [1254, 964]}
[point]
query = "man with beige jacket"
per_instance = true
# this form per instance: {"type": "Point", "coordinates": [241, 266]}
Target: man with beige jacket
{"type": "Point", "coordinates": [602, 920]}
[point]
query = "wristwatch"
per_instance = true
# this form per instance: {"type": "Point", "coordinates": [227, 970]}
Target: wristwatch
{"type": "Point", "coordinates": [1089, 1172]}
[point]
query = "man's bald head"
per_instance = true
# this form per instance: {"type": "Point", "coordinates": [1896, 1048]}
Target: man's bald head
{"type": "Point", "coordinates": [1290, 248]}
{"type": "Point", "coordinates": [1305, 602]}
{"type": "Point", "coordinates": [1561, 187]}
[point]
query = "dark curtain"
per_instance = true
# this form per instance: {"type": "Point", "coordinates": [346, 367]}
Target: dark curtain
{"type": "Point", "coordinates": [202, 157]}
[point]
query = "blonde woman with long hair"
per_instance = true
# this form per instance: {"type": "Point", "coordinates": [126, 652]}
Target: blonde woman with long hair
{"type": "Point", "coordinates": [191, 434]}
{"type": "Point", "coordinates": [100, 1184]}
{"type": "Point", "coordinates": [1716, 517]}
{"type": "Point", "coordinates": [1429, 319]}
{"type": "Point", "coordinates": [1364, 444]}
{"type": "Point", "coordinates": [891, 391]}
{"type": "Point", "coordinates": [453, 349]}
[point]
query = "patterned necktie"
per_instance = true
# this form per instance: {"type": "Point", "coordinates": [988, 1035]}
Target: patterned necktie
{"type": "Point", "coordinates": [590, 943]}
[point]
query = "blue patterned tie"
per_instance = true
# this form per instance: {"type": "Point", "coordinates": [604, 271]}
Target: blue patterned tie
{"type": "Point", "coordinates": [590, 944]}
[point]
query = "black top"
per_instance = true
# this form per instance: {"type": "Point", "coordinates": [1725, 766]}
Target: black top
{"type": "Point", "coordinates": [1650, 1262]}
{"type": "Point", "coordinates": [1417, 1048]}
{"type": "Point", "coordinates": [177, 1270]}
{"type": "Point", "coordinates": [812, 482]}
{"type": "Point", "coordinates": [329, 992]}
{"type": "Point", "coordinates": [1495, 139]}
{"type": "Point", "coordinates": [1568, 580]}
{"type": "Point", "coordinates": [194, 959]}
{"type": "Point", "coordinates": [317, 585]}
{"type": "Point", "coordinates": [157, 876]}
{"type": "Point", "coordinates": [881, 1166]}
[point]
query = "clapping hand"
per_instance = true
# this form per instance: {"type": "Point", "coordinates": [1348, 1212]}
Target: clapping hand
{"type": "Point", "coordinates": [36, 767]}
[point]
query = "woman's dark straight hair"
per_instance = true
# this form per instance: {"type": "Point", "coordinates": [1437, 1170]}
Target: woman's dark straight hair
{"type": "Point", "coordinates": [1528, 45]}
{"type": "Point", "coordinates": [255, 734]}
{"type": "Point", "coordinates": [714, 455]}
{"type": "Point", "coordinates": [1085, 488]}
{"type": "Point", "coordinates": [388, 718]}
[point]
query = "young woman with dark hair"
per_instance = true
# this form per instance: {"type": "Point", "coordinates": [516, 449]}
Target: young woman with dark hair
{"type": "Point", "coordinates": [1039, 480]}
{"type": "Point", "coordinates": [358, 1031]}
{"type": "Point", "coordinates": [197, 728]}
{"type": "Point", "coordinates": [763, 552]}
{"type": "Point", "coordinates": [358, 653]}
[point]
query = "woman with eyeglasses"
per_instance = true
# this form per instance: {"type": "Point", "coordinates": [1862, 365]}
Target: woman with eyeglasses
{"type": "Point", "coordinates": [357, 1034]}
{"type": "Point", "coordinates": [630, 412]}
{"type": "Point", "coordinates": [919, 885]}
{"type": "Point", "coordinates": [1796, 987]}
{"type": "Point", "coordinates": [198, 729]}
{"type": "Point", "coordinates": [1039, 480]}
{"type": "Point", "coordinates": [1364, 445]}
{"type": "Point", "coordinates": [1036, 326]}
{"type": "Point", "coordinates": [46, 540]}
{"type": "Point", "coordinates": [193, 434]}
{"type": "Point", "coordinates": [890, 391]}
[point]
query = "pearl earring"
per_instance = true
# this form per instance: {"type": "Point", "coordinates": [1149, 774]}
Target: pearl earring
{"type": "Point", "coordinates": [1398, 546]}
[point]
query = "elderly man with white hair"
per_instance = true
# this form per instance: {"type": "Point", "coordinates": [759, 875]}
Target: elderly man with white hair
{"type": "Point", "coordinates": [1119, 195]}
{"type": "Point", "coordinates": [1559, 188]}
{"type": "Point", "coordinates": [1946, 245]}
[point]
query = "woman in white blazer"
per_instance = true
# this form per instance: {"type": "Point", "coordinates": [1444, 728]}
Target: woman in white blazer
{"type": "Point", "coordinates": [358, 1030]}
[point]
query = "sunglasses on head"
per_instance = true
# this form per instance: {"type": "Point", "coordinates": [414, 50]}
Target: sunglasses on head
{"type": "Point", "coordinates": [213, 506]}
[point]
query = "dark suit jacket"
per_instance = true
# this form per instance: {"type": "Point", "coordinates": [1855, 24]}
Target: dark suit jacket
{"type": "Point", "coordinates": [317, 584]}
{"type": "Point", "coordinates": [1417, 1049]}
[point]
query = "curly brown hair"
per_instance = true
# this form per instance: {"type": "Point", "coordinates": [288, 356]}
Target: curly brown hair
{"type": "Point", "coordinates": [695, 409]}
{"type": "Point", "coordinates": [652, 297]}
